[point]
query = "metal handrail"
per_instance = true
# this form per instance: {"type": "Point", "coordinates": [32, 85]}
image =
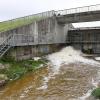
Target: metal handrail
{"type": "Point", "coordinates": [6, 39]}
{"type": "Point", "coordinates": [14, 23]}
{"type": "Point", "coordinates": [65, 11]}
{"type": "Point", "coordinates": [78, 9]}
{"type": "Point", "coordinates": [41, 15]}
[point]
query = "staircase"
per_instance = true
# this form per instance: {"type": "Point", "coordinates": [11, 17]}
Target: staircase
{"type": "Point", "coordinates": [6, 45]}
{"type": "Point", "coordinates": [15, 40]}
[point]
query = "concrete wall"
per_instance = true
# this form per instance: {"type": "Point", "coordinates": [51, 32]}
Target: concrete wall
{"type": "Point", "coordinates": [61, 32]}
{"type": "Point", "coordinates": [29, 52]}
{"type": "Point", "coordinates": [25, 30]}
{"type": "Point", "coordinates": [46, 36]}
{"type": "Point", "coordinates": [46, 31]}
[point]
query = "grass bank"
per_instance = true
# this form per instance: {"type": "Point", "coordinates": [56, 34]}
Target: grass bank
{"type": "Point", "coordinates": [8, 25]}
{"type": "Point", "coordinates": [15, 69]}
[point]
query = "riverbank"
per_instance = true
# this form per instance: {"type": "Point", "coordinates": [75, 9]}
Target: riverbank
{"type": "Point", "coordinates": [11, 70]}
{"type": "Point", "coordinates": [68, 76]}
{"type": "Point", "coordinates": [72, 81]}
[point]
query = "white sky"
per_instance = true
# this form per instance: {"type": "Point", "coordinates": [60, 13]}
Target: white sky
{"type": "Point", "coordinates": [17, 8]}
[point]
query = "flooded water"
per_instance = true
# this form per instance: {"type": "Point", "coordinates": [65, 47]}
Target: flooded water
{"type": "Point", "coordinates": [68, 76]}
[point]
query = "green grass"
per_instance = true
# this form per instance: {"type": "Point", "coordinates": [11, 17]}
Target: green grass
{"type": "Point", "coordinates": [96, 93]}
{"type": "Point", "coordinates": [19, 68]}
{"type": "Point", "coordinates": [8, 25]}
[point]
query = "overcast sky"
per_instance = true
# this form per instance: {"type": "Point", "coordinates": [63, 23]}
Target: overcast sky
{"type": "Point", "coordinates": [16, 8]}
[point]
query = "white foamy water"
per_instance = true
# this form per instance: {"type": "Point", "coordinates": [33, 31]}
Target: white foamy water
{"type": "Point", "coordinates": [85, 95]}
{"type": "Point", "coordinates": [67, 56]}
{"type": "Point", "coordinates": [94, 83]}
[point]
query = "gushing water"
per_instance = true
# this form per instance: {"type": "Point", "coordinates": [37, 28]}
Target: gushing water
{"type": "Point", "coordinates": [69, 76]}
{"type": "Point", "coordinates": [67, 56]}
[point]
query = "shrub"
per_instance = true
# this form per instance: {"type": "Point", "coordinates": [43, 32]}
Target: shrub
{"type": "Point", "coordinates": [17, 69]}
{"type": "Point", "coordinates": [96, 93]}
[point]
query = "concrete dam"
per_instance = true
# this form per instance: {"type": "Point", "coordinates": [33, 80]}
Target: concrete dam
{"type": "Point", "coordinates": [47, 32]}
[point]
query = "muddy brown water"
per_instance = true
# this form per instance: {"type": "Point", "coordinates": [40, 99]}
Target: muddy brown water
{"type": "Point", "coordinates": [73, 81]}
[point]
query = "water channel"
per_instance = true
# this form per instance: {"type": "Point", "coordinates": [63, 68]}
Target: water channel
{"type": "Point", "coordinates": [68, 76]}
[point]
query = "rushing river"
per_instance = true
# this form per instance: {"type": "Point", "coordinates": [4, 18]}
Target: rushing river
{"type": "Point", "coordinates": [68, 76]}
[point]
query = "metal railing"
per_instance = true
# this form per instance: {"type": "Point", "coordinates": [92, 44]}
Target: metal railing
{"type": "Point", "coordinates": [14, 23]}
{"type": "Point", "coordinates": [5, 45]}
{"type": "Point", "coordinates": [15, 40]}
{"type": "Point", "coordinates": [78, 10]}
{"type": "Point", "coordinates": [39, 15]}
{"type": "Point", "coordinates": [61, 12]}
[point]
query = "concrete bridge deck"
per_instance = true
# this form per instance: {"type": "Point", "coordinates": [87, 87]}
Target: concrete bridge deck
{"type": "Point", "coordinates": [80, 14]}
